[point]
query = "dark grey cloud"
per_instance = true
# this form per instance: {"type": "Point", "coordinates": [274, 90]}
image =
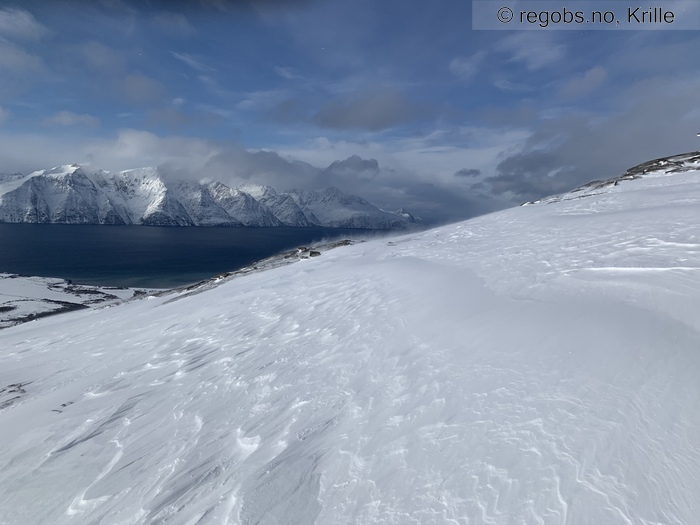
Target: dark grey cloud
{"type": "Point", "coordinates": [567, 151]}
{"type": "Point", "coordinates": [374, 110]}
{"type": "Point", "coordinates": [441, 204]}
{"type": "Point", "coordinates": [354, 166]}
{"type": "Point", "coordinates": [468, 172]}
{"type": "Point", "coordinates": [532, 174]}
{"type": "Point", "coordinates": [388, 189]}
{"type": "Point", "coordinates": [235, 164]}
{"type": "Point", "coordinates": [197, 159]}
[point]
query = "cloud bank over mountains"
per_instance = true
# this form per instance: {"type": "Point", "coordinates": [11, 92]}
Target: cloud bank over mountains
{"type": "Point", "coordinates": [396, 101]}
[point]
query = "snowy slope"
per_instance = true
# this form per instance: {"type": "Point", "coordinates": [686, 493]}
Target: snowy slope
{"type": "Point", "coordinates": [24, 298]}
{"type": "Point", "coordinates": [243, 206]}
{"type": "Point", "coordinates": [537, 365]}
{"type": "Point", "coordinates": [202, 206]}
{"type": "Point", "coordinates": [282, 205]}
{"type": "Point", "coordinates": [62, 194]}
{"type": "Point", "coordinates": [654, 168]}
{"type": "Point", "coordinates": [11, 181]}
{"type": "Point", "coordinates": [71, 195]}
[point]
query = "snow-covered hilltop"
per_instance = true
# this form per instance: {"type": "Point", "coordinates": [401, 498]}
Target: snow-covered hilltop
{"type": "Point", "coordinates": [653, 168]}
{"type": "Point", "coordinates": [71, 195]}
{"type": "Point", "coordinates": [537, 365]}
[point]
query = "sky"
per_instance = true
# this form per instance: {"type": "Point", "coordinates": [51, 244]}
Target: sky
{"type": "Point", "coordinates": [398, 101]}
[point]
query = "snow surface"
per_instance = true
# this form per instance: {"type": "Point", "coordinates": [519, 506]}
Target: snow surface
{"type": "Point", "coordinates": [539, 365]}
{"type": "Point", "coordinates": [24, 298]}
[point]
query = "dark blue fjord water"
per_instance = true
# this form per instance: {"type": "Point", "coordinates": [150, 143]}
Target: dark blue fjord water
{"type": "Point", "coordinates": [146, 256]}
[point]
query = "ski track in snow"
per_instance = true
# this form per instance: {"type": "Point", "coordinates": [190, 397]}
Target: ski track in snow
{"type": "Point", "coordinates": [535, 366]}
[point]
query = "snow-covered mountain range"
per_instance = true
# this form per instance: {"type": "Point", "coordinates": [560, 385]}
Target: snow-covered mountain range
{"type": "Point", "coordinates": [72, 195]}
{"type": "Point", "coordinates": [538, 365]}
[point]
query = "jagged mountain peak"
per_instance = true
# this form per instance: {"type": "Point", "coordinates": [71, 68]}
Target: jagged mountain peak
{"type": "Point", "coordinates": [403, 212]}
{"type": "Point", "coordinates": [257, 190]}
{"type": "Point", "coordinates": [152, 173]}
{"type": "Point", "coordinates": [62, 170]}
{"type": "Point", "coordinates": [68, 194]}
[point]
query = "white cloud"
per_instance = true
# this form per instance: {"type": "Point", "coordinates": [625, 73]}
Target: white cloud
{"type": "Point", "coordinates": [466, 68]}
{"type": "Point", "coordinates": [68, 118]}
{"type": "Point", "coordinates": [193, 62]}
{"type": "Point", "coordinates": [583, 84]}
{"type": "Point", "coordinates": [507, 85]}
{"type": "Point", "coordinates": [134, 148]}
{"type": "Point", "coordinates": [17, 59]}
{"type": "Point", "coordinates": [412, 173]}
{"type": "Point", "coordinates": [130, 148]}
{"type": "Point", "coordinates": [287, 72]}
{"type": "Point", "coordinates": [4, 114]}
{"type": "Point", "coordinates": [537, 50]}
{"type": "Point", "coordinates": [427, 159]}
{"type": "Point", "coordinates": [257, 100]}
{"type": "Point", "coordinates": [18, 23]}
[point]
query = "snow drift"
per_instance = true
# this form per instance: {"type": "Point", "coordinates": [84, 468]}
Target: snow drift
{"type": "Point", "coordinates": [537, 365]}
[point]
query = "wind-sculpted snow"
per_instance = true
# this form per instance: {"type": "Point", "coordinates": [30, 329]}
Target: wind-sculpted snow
{"type": "Point", "coordinates": [537, 365]}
